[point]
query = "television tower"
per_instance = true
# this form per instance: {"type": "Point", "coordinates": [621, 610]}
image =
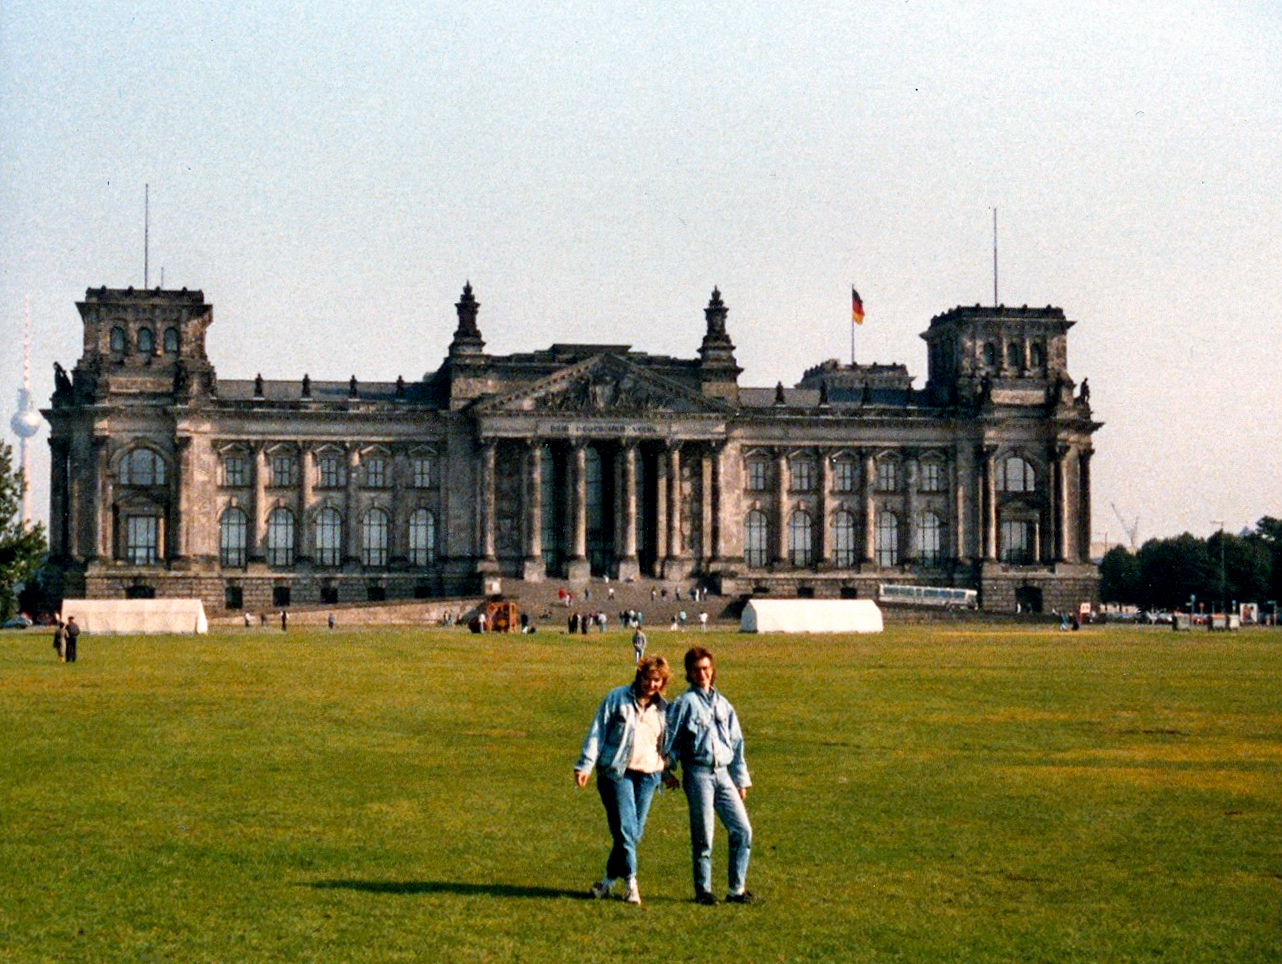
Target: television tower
{"type": "Point", "coordinates": [26, 422]}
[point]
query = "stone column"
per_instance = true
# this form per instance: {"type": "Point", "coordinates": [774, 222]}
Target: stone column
{"type": "Point", "coordinates": [990, 503]}
{"type": "Point", "coordinates": [1084, 506]}
{"type": "Point", "coordinates": [677, 564]}
{"type": "Point", "coordinates": [629, 567]}
{"type": "Point", "coordinates": [351, 508]}
{"type": "Point", "coordinates": [717, 547]}
{"type": "Point", "coordinates": [532, 569]}
{"type": "Point", "coordinates": [910, 507]}
{"type": "Point", "coordinates": [824, 506]}
{"type": "Point", "coordinates": [579, 569]}
{"type": "Point", "coordinates": [59, 499]}
{"type": "Point", "coordinates": [184, 510]}
{"type": "Point", "coordinates": [1062, 547]}
{"type": "Point", "coordinates": [487, 502]}
{"type": "Point", "coordinates": [705, 507]}
{"type": "Point", "coordinates": [870, 508]}
{"type": "Point", "coordinates": [306, 481]}
{"type": "Point", "coordinates": [660, 514]}
{"type": "Point", "coordinates": [781, 507]}
{"type": "Point", "coordinates": [257, 548]}
{"type": "Point", "coordinates": [959, 507]}
{"type": "Point", "coordinates": [98, 484]}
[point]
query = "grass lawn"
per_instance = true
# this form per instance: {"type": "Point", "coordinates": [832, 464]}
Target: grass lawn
{"type": "Point", "coordinates": [937, 794]}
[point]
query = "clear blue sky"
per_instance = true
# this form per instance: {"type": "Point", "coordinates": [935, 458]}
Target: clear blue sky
{"type": "Point", "coordinates": [330, 178]}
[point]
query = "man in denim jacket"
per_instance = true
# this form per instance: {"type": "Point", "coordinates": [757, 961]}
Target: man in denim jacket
{"type": "Point", "coordinates": [624, 744]}
{"type": "Point", "coordinates": [704, 738]}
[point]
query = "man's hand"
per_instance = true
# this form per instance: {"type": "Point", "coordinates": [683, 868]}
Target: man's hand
{"type": "Point", "coordinates": [580, 778]}
{"type": "Point", "coordinates": [743, 793]}
{"type": "Point", "coordinates": [670, 780]}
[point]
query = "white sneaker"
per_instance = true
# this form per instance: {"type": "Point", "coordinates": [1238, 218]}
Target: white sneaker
{"type": "Point", "coordinates": [633, 896]}
{"type": "Point", "coordinates": [600, 889]}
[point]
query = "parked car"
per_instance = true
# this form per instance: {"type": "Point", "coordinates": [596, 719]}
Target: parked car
{"type": "Point", "coordinates": [17, 622]}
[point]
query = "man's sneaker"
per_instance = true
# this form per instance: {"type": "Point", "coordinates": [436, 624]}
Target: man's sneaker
{"type": "Point", "coordinates": [633, 896]}
{"type": "Point", "coordinates": [600, 889]}
{"type": "Point", "coordinates": [743, 897]}
{"type": "Point", "coordinates": [705, 898]}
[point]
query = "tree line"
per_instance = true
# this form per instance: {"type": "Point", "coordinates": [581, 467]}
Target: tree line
{"type": "Point", "coordinates": [1218, 571]}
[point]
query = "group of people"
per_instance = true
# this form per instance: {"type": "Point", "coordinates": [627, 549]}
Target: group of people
{"type": "Point", "coordinates": [637, 740]}
{"type": "Point", "coordinates": [65, 637]}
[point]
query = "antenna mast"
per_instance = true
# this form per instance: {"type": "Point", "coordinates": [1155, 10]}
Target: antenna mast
{"type": "Point", "coordinates": [995, 301]}
{"type": "Point", "coordinates": [146, 234]}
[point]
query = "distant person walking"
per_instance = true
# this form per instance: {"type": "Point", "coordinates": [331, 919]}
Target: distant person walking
{"type": "Point", "coordinates": [73, 636]}
{"type": "Point", "coordinates": [60, 639]}
{"type": "Point", "coordinates": [638, 644]}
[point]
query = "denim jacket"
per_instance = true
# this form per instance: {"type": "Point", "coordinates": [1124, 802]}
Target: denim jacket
{"type": "Point", "coordinates": [609, 740]}
{"type": "Point", "coordinates": [703, 730]}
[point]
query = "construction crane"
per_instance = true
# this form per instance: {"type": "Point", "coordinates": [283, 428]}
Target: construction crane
{"type": "Point", "coordinates": [1132, 531]}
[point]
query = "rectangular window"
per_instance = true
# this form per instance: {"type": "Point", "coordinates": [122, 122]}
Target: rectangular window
{"type": "Point", "coordinates": [141, 535]}
{"type": "Point", "coordinates": [283, 470]}
{"type": "Point", "coordinates": [235, 471]}
{"type": "Point", "coordinates": [1017, 543]}
{"type": "Point", "coordinates": [376, 473]}
{"type": "Point", "coordinates": [887, 476]}
{"type": "Point", "coordinates": [758, 475]}
{"type": "Point", "coordinates": [233, 597]}
{"type": "Point", "coordinates": [844, 476]}
{"type": "Point", "coordinates": [280, 596]}
{"type": "Point", "coordinates": [932, 477]}
{"type": "Point", "coordinates": [422, 467]}
{"type": "Point", "coordinates": [331, 472]}
{"type": "Point", "coordinates": [803, 475]}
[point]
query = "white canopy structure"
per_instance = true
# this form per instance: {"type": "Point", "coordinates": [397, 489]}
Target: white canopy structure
{"type": "Point", "coordinates": [121, 616]}
{"type": "Point", "coordinates": [811, 616]}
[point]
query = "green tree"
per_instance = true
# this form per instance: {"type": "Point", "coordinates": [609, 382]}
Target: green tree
{"type": "Point", "coordinates": [21, 548]}
{"type": "Point", "coordinates": [1119, 576]}
{"type": "Point", "coordinates": [1172, 570]}
{"type": "Point", "coordinates": [1269, 531]}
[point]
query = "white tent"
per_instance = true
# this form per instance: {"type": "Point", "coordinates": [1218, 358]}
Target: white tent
{"type": "Point", "coordinates": [811, 616]}
{"type": "Point", "coordinates": [105, 616]}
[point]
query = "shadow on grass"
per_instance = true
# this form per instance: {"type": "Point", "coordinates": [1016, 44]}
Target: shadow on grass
{"type": "Point", "coordinates": [414, 887]}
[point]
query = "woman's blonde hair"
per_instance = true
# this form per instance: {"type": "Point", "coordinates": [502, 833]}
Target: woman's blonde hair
{"type": "Point", "coordinates": [653, 666]}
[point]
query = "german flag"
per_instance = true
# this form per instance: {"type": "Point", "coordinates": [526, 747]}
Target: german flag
{"type": "Point", "coordinates": [856, 307]}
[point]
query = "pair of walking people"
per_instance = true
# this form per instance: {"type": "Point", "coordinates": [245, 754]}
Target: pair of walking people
{"type": "Point", "coordinates": [637, 740]}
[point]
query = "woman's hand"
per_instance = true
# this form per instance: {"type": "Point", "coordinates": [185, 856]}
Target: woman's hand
{"type": "Point", "coordinates": [580, 778]}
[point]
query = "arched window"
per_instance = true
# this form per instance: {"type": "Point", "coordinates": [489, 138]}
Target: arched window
{"type": "Point", "coordinates": [801, 550]}
{"type": "Point", "coordinates": [117, 341]}
{"type": "Point", "coordinates": [171, 341]}
{"type": "Point", "coordinates": [374, 530]}
{"type": "Point", "coordinates": [1016, 475]}
{"type": "Point", "coordinates": [422, 538]}
{"type": "Point", "coordinates": [280, 537]}
{"type": "Point", "coordinates": [233, 532]}
{"type": "Point", "coordinates": [146, 341]}
{"type": "Point", "coordinates": [329, 537]}
{"type": "Point", "coordinates": [755, 539]}
{"type": "Point", "coordinates": [930, 539]}
{"type": "Point", "coordinates": [142, 466]}
{"type": "Point", "coordinates": [843, 539]}
{"type": "Point", "coordinates": [887, 539]}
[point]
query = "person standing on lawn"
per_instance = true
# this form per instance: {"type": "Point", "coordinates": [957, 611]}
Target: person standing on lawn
{"type": "Point", "coordinates": [623, 746]}
{"type": "Point", "coordinates": [704, 738]}
{"type": "Point", "coordinates": [73, 636]}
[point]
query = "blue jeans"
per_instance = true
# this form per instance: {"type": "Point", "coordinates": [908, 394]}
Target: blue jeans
{"type": "Point", "coordinates": [627, 802]}
{"type": "Point", "coordinates": [710, 790]}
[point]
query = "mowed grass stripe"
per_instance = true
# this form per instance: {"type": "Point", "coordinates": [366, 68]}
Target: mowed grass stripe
{"type": "Point", "coordinates": [929, 794]}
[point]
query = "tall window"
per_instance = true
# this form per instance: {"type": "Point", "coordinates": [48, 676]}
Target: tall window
{"type": "Point", "coordinates": [930, 539]}
{"type": "Point", "coordinates": [843, 539]}
{"type": "Point", "coordinates": [117, 341]}
{"type": "Point", "coordinates": [1016, 475]}
{"type": "Point", "coordinates": [235, 471]}
{"type": "Point", "coordinates": [1017, 542]}
{"type": "Point", "coordinates": [422, 472]}
{"type": "Point", "coordinates": [803, 474]}
{"type": "Point", "coordinates": [280, 538]}
{"type": "Point", "coordinates": [283, 470]}
{"type": "Point", "coordinates": [374, 531]}
{"type": "Point", "coordinates": [329, 537]}
{"type": "Point", "coordinates": [801, 551]}
{"type": "Point", "coordinates": [887, 539]}
{"type": "Point", "coordinates": [1014, 355]}
{"type": "Point", "coordinates": [146, 341]}
{"type": "Point", "coordinates": [755, 539]}
{"type": "Point", "coordinates": [887, 476]}
{"type": "Point", "coordinates": [331, 472]}
{"type": "Point", "coordinates": [171, 341]}
{"type": "Point", "coordinates": [422, 538]}
{"type": "Point", "coordinates": [758, 475]}
{"type": "Point", "coordinates": [376, 474]}
{"type": "Point", "coordinates": [142, 539]}
{"type": "Point", "coordinates": [143, 467]}
{"type": "Point", "coordinates": [233, 532]}
{"type": "Point", "coordinates": [932, 477]}
{"type": "Point", "coordinates": [1038, 355]}
{"type": "Point", "coordinates": [990, 354]}
{"type": "Point", "coordinates": [845, 475]}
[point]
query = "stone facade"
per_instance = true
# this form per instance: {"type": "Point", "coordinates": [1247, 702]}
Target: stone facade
{"type": "Point", "coordinates": [569, 462]}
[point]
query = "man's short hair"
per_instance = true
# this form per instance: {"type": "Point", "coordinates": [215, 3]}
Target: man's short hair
{"type": "Point", "coordinates": [696, 653]}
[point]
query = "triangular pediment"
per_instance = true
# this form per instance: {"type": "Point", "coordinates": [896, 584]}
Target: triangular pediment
{"type": "Point", "coordinates": [604, 385]}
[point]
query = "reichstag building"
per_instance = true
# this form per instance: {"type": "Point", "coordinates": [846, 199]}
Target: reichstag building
{"type": "Point", "coordinates": [566, 463]}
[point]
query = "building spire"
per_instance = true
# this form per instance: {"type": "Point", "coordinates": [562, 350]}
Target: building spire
{"type": "Point", "coordinates": [467, 337]}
